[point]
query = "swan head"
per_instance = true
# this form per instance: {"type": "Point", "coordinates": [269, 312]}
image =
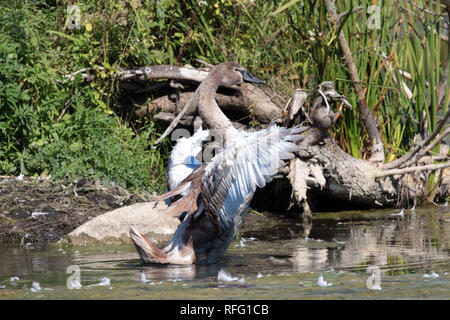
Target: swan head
{"type": "Point", "coordinates": [231, 73]}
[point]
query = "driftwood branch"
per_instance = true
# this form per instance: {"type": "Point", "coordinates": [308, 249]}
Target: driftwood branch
{"type": "Point", "coordinates": [416, 149]}
{"type": "Point", "coordinates": [145, 74]}
{"type": "Point", "coordinates": [189, 121]}
{"type": "Point", "coordinates": [234, 103]}
{"type": "Point", "coordinates": [392, 172]}
{"type": "Point", "coordinates": [430, 147]}
{"type": "Point", "coordinates": [321, 170]}
{"type": "Point", "coordinates": [174, 123]}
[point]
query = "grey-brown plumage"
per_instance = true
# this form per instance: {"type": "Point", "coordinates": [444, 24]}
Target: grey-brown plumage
{"type": "Point", "coordinates": [216, 195]}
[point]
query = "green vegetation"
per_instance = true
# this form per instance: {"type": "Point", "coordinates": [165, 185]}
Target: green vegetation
{"type": "Point", "coordinates": [71, 129]}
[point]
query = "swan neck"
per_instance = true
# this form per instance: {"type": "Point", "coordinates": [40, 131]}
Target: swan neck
{"type": "Point", "coordinates": [210, 111]}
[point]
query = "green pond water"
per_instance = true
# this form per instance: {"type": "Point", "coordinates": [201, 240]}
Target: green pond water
{"type": "Point", "coordinates": [408, 258]}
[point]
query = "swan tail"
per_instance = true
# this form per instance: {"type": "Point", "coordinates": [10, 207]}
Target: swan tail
{"type": "Point", "coordinates": [148, 252]}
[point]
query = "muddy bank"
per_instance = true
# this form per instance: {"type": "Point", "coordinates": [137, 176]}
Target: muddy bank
{"type": "Point", "coordinates": [33, 211]}
{"type": "Point", "coordinates": [38, 212]}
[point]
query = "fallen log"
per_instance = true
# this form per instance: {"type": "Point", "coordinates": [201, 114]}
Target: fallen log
{"type": "Point", "coordinates": [323, 176]}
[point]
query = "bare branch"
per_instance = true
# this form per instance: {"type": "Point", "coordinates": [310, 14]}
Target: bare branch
{"type": "Point", "coordinates": [421, 153]}
{"type": "Point", "coordinates": [189, 121]}
{"type": "Point", "coordinates": [411, 169]}
{"type": "Point", "coordinates": [357, 9]}
{"type": "Point", "coordinates": [85, 76]}
{"type": "Point", "coordinates": [146, 73]}
{"type": "Point", "coordinates": [174, 123]}
{"type": "Point", "coordinates": [164, 71]}
{"type": "Point", "coordinates": [234, 103]}
{"type": "Point", "coordinates": [409, 155]}
{"type": "Point", "coordinates": [209, 65]}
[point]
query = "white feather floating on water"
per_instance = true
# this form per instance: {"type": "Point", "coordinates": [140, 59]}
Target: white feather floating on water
{"type": "Point", "coordinates": [433, 275]}
{"type": "Point", "coordinates": [104, 282]}
{"type": "Point", "coordinates": [338, 242]}
{"type": "Point", "coordinates": [278, 262]}
{"type": "Point", "coordinates": [376, 287]}
{"type": "Point", "coordinates": [143, 277]}
{"type": "Point", "coordinates": [400, 214]}
{"type": "Point", "coordinates": [321, 282]}
{"type": "Point", "coordinates": [226, 277]}
{"type": "Point", "coordinates": [35, 287]}
{"type": "Point", "coordinates": [241, 244]}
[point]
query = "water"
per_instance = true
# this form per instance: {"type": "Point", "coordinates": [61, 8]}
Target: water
{"type": "Point", "coordinates": [405, 255]}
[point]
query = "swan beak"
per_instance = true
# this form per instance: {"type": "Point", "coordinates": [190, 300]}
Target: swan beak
{"type": "Point", "coordinates": [249, 78]}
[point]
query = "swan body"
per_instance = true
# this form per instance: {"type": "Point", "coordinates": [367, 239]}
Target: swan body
{"type": "Point", "coordinates": [216, 195]}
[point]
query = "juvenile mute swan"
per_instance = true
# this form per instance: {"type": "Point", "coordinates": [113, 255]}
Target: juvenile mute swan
{"type": "Point", "coordinates": [216, 195]}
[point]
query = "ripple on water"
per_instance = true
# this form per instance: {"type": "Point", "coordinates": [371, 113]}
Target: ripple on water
{"type": "Point", "coordinates": [284, 260]}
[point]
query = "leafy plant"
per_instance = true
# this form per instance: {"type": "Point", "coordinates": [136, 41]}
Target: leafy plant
{"type": "Point", "coordinates": [73, 129]}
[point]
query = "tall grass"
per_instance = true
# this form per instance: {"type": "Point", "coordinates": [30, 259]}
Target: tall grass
{"type": "Point", "coordinates": [402, 43]}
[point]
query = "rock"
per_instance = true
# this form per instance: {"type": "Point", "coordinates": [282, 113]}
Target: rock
{"type": "Point", "coordinates": [113, 226]}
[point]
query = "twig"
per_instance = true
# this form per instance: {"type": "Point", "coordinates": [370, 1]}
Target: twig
{"type": "Point", "coordinates": [421, 153]}
{"type": "Point", "coordinates": [411, 169]}
{"type": "Point", "coordinates": [169, 117]}
{"type": "Point", "coordinates": [435, 158]}
{"type": "Point", "coordinates": [409, 155]}
{"type": "Point", "coordinates": [209, 65]}
{"type": "Point", "coordinates": [427, 10]}
{"type": "Point", "coordinates": [357, 9]}
{"type": "Point", "coordinates": [66, 106]}
{"type": "Point", "coordinates": [175, 121]}
{"type": "Point", "coordinates": [71, 77]}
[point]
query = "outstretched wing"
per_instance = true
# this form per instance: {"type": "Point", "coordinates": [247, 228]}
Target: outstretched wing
{"type": "Point", "coordinates": [249, 160]}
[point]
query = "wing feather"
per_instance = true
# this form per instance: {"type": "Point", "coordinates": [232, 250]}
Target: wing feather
{"type": "Point", "coordinates": [249, 160]}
